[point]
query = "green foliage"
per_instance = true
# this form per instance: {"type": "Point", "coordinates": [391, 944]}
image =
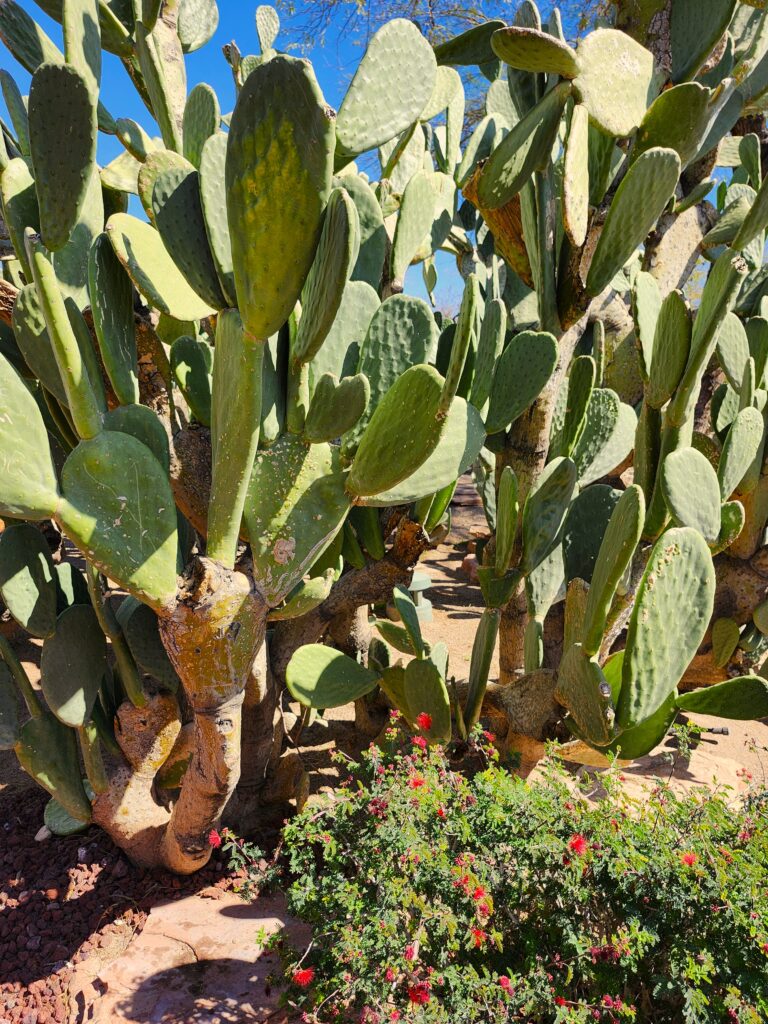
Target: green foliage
{"type": "Point", "coordinates": [489, 899]}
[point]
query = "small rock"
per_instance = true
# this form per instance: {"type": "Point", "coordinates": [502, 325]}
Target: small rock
{"type": "Point", "coordinates": [42, 834]}
{"type": "Point", "coordinates": [469, 568]}
{"type": "Point", "coordinates": [52, 894]}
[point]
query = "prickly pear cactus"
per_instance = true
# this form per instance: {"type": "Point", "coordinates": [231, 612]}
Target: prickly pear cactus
{"type": "Point", "coordinates": [232, 407]}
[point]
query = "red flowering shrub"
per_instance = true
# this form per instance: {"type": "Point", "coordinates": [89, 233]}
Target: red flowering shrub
{"type": "Point", "coordinates": [441, 898]}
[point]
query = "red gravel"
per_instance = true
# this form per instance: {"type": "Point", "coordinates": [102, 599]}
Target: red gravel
{"type": "Point", "coordinates": [61, 899]}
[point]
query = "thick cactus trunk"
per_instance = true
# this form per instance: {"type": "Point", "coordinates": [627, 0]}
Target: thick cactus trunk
{"type": "Point", "coordinates": [212, 635]}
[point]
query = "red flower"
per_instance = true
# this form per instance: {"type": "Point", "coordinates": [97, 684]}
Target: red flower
{"type": "Point", "coordinates": [506, 984]}
{"type": "Point", "coordinates": [441, 812]}
{"type": "Point", "coordinates": [559, 1001]}
{"type": "Point", "coordinates": [689, 858]}
{"type": "Point", "coordinates": [214, 839]}
{"type": "Point", "coordinates": [578, 844]}
{"type": "Point", "coordinates": [419, 741]}
{"type": "Point", "coordinates": [410, 952]}
{"type": "Point", "coordinates": [304, 977]}
{"type": "Point", "coordinates": [479, 893]}
{"type": "Point", "coordinates": [479, 936]}
{"type": "Point", "coordinates": [419, 993]}
{"type": "Point", "coordinates": [394, 1015]}
{"type": "Point", "coordinates": [424, 721]}
{"type": "Point", "coordinates": [390, 975]}
{"type": "Point", "coordinates": [416, 782]}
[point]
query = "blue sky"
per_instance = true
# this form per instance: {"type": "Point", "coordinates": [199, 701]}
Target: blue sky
{"type": "Point", "coordinates": [334, 62]}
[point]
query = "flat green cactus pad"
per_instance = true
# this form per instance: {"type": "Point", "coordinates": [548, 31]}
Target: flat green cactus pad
{"type": "Point", "coordinates": [142, 423]}
{"type": "Point", "coordinates": [141, 251]}
{"type": "Point", "coordinates": [637, 205]}
{"type": "Point", "coordinates": [425, 692]}
{"type": "Point", "coordinates": [335, 407]}
{"type": "Point", "coordinates": [72, 665]}
{"type": "Point", "coordinates": [614, 558]}
{"type": "Point", "coordinates": [119, 510]}
{"type": "Point", "coordinates": [202, 117]}
{"type": "Point", "coordinates": [31, 334]}
{"type": "Point", "coordinates": [742, 445]}
{"type": "Point", "coordinates": [29, 487]}
{"type": "Point", "coordinates": [321, 677]}
{"type": "Point", "coordinates": [63, 161]}
{"type": "Point", "coordinates": [324, 288]}
{"type": "Point", "coordinates": [27, 582]}
{"type": "Point", "coordinates": [545, 510]}
{"type": "Point", "coordinates": [304, 597]}
{"type": "Point", "coordinates": [725, 637]}
{"type": "Point", "coordinates": [373, 234]}
{"type": "Point", "coordinates": [671, 345]}
{"type": "Point", "coordinates": [607, 437]}
{"type": "Point", "coordinates": [401, 435]}
{"type": "Point", "coordinates": [744, 698]}
{"type": "Point", "coordinates": [178, 215]}
{"type": "Point", "coordinates": [47, 751]}
{"type": "Point", "coordinates": [677, 119]}
{"type": "Point", "coordinates": [733, 350]}
{"type": "Point", "coordinates": [457, 449]}
{"type": "Point", "coordinates": [278, 180]}
{"type": "Point", "coordinates": [576, 177]}
{"type": "Point", "coordinates": [9, 714]}
{"type": "Point", "coordinates": [695, 28]}
{"type": "Point", "coordinates": [191, 365]}
{"type": "Point", "coordinates": [585, 528]}
{"type": "Point", "coordinates": [679, 574]}
{"type": "Point", "coordinates": [112, 305]}
{"type": "Point", "coordinates": [692, 492]}
{"type": "Point", "coordinates": [616, 80]}
{"type": "Point", "coordinates": [401, 333]}
{"type": "Point", "coordinates": [523, 369]}
{"type": "Point", "coordinates": [213, 197]}
{"type": "Point", "coordinates": [20, 206]}
{"type": "Point", "coordinates": [296, 505]}
{"type": "Point", "coordinates": [584, 691]}
{"type": "Point", "coordinates": [391, 87]}
{"type": "Point", "coordinates": [140, 628]}
{"type": "Point", "coordinates": [413, 225]}
{"type": "Point", "coordinates": [526, 148]}
{"type": "Point", "coordinates": [340, 352]}
{"type": "Point", "coordinates": [530, 50]}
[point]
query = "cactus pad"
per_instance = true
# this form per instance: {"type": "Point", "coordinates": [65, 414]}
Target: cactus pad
{"type": "Point", "coordinates": [744, 698]}
{"type": "Point", "coordinates": [637, 205]}
{"type": "Point", "coordinates": [278, 180]}
{"type": "Point", "coordinates": [72, 665]}
{"type": "Point", "coordinates": [390, 89]}
{"type": "Point", "coordinates": [336, 406]}
{"type": "Point", "coordinates": [679, 574]}
{"type": "Point", "coordinates": [524, 368]}
{"type": "Point", "coordinates": [47, 751]}
{"type": "Point", "coordinates": [616, 80]}
{"type": "Point", "coordinates": [692, 492]}
{"type": "Point", "coordinates": [295, 507]}
{"type": "Point", "coordinates": [62, 160]}
{"type": "Point", "coordinates": [141, 251]}
{"type": "Point", "coordinates": [119, 510]}
{"type": "Point", "coordinates": [27, 582]}
{"type": "Point", "coordinates": [526, 148]}
{"type": "Point", "coordinates": [30, 490]}
{"type": "Point", "coordinates": [530, 50]}
{"type": "Point", "coordinates": [401, 435]}
{"type": "Point", "coordinates": [335, 257]}
{"type": "Point", "coordinates": [321, 677]}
